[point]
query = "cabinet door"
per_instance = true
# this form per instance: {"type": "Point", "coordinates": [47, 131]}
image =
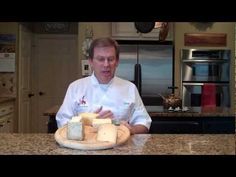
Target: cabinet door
{"type": "Point", "coordinates": [127, 30]}
{"type": "Point", "coordinates": [7, 117]}
{"type": "Point", "coordinates": [6, 125]}
{"type": "Point", "coordinates": [218, 126]}
{"type": "Point", "coordinates": [124, 29]}
{"type": "Point", "coordinates": [154, 34]}
{"type": "Point", "coordinates": [167, 126]}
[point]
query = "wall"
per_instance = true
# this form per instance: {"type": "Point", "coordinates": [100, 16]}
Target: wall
{"type": "Point", "coordinates": [99, 29]}
{"type": "Point", "coordinates": [235, 70]}
{"type": "Point", "coordinates": [217, 27]}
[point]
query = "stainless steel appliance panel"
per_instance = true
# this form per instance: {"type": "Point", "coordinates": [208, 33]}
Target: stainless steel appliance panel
{"type": "Point", "coordinates": [205, 54]}
{"type": "Point", "coordinates": [156, 62]}
{"type": "Point", "coordinates": [192, 95]}
{"type": "Point", "coordinates": [128, 58]}
{"type": "Point", "coordinates": [202, 67]}
{"type": "Point", "coordinates": [151, 65]}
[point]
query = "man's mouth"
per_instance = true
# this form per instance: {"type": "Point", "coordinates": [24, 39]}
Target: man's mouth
{"type": "Point", "coordinates": [106, 72]}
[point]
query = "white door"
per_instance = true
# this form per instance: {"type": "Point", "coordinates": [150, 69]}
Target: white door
{"type": "Point", "coordinates": [54, 67]}
{"type": "Point", "coordinates": [25, 38]}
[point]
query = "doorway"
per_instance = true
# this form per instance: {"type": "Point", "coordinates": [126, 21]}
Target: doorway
{"type": "Point", "coordinates": [54, 67]}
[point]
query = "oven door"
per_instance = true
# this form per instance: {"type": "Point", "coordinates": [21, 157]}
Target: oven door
{"type": "Point", "coordinates": [205, 70]}
{"type": "Point", "coordinates": [194, 95]}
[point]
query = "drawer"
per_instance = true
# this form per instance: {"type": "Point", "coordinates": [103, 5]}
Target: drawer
{"type": "Point", "coordinates": [6, 124]}
{"type": "Point", "coordinates": [4, 110]}
{"type": "Point", "coordinates": [174, 127]}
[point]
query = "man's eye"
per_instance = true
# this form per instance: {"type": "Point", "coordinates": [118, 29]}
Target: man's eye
{"type": "Point", "coordinates": [100, 59]}
{"type": "Point", "coordinates": [111, 59]}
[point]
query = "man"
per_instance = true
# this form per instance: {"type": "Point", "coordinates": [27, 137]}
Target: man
{"type": "Point", "coordinates": [104, 93]}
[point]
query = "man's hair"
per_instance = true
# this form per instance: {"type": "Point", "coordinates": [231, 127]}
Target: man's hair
{"type": "Point", "coordinates": [103, 42]}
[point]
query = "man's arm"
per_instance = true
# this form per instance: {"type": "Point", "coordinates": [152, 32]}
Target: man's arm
{"type": "Point", "coordinates": [135, 129]}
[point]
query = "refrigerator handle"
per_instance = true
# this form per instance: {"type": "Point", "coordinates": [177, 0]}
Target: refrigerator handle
{"type": "Point", "coordinates": [138, 77]}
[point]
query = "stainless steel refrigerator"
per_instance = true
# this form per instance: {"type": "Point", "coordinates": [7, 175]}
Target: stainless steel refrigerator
{"type": "Point", "coordinates": [149, 65]}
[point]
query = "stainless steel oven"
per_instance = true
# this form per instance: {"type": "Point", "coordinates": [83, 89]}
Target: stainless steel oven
{"type": "Point", "coordinates": [193, 95]}
{"type": "Point", "coordinates": [205, 77]}
{"type": "Point", "coordinates": [205, 65]}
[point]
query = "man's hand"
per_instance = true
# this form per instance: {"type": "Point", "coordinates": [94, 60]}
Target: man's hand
{"type": "Point", "coordinates": [104, 113]}
{"type": "Point", "coordinates": [135, 129]}
{"type": "Point", "coordinates": [125, 123]}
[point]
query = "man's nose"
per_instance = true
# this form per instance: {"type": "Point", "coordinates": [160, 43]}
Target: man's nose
{"type": "Point", "coordinates": [106, 62]}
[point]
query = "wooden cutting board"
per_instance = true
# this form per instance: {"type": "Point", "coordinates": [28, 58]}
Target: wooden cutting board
{"type": "Point", "coordinates": [90, 142]}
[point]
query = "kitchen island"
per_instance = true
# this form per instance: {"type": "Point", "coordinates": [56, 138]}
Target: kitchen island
{"type": "Point", "coordinates": [197, 120]}
{"type": "Point", "coordinates": [140, 144]}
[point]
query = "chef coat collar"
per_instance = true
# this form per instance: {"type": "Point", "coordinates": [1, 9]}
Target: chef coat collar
{"type": "Point", "coordinates": [95, 81]}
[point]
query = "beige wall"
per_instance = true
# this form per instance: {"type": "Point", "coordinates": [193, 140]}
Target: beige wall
{"type": "Point", "coordinates": [100, 29]}
{"type": "Point", "coordinates": [8, 27]}
{"type": "Point", "coordinates": [218, 27]}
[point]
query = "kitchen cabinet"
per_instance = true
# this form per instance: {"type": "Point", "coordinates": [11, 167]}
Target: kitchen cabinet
{"type": "Point", "coordinates": [127, 31]}
{"type": "Point", "coordinates": [193, 125]}
{"type": "Point", "coordinates": [6, 117]}
{"type": "Point", "coordinates": [175, 125]}
{"type": "Point", "coordinates": [217, 125]}
{"type": "Point", "coordinates": [52, 123]}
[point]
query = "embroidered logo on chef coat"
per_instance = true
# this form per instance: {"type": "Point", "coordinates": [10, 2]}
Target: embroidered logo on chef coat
{"type": "Point", "coordinates": [82, 102]}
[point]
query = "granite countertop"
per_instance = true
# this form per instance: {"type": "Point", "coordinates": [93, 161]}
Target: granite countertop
{"type": "Point", "coordinates": [142, 144]}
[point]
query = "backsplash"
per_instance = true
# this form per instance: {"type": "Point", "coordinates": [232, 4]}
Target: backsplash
{"type": "Point", "coordinates": [7, 85]}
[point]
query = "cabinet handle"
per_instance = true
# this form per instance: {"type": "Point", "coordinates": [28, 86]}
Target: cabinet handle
{"type": "Point", "coordinates": [41, 93]}
{"type": "Point", "coordinates": [30, 95]}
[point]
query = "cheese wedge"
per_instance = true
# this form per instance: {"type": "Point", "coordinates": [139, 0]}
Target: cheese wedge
{"type": "Point", "coordinates": [107, 132]}
{"type": "Point", "coordinates": [88, 117]}
{"type": "Point", "coordinates": [97, 122]}
{"type": "Point", "coordinates": [76, 118]}
{"type": "Point", "coordinates": [75, 129]}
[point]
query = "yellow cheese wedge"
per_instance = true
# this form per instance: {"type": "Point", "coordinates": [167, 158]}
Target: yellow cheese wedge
{"type": "Point", "coordinates": [76, 118]}
{"type": "Point", "coordinates": [88, 117]}
{"type": "Point", "coordinates": [97, 122]}
{"type": "Point", "coordinates": [107, 132]}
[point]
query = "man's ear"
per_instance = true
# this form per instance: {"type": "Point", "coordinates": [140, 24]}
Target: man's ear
{"type": "Point", "coordinates": [117, 63]}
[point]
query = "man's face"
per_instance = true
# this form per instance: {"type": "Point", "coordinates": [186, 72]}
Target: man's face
{"type": "Point", "coordinates": [104, 63]}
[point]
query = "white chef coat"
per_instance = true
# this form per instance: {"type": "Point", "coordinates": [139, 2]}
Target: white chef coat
{"type": "Point", "coordinates": [120, 96]}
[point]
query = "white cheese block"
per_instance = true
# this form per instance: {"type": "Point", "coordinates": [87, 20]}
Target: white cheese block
{"type": "Point", "coordinates": [97, 122]}
{"type": "Point", "coordinates": [75, 129]}
{"type": "Point", "coordinates": [88, 117]}
{"type": "Point", "coordinates": [76, 118]}
{"type": "Point", "coordinates": [107, 132]}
